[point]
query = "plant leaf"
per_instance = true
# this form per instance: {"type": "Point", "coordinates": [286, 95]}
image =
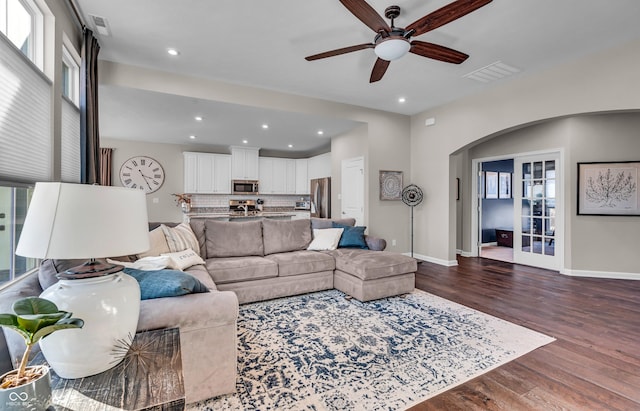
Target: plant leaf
{"type": "Point", "coordinates": [63, 325]}
{"type": "Point", "coordinates": [11, 321]}
{"type": "Point", "coordinates": [33, 323]}
{"type": "Point", "coordinates": [34, 305]}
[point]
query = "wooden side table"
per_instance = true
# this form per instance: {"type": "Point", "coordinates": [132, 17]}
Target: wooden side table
{"type": "Point", "coordinates": [149, 378]}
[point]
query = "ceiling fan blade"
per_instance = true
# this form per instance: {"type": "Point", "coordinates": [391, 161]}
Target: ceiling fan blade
{"type": "Point", "coordinates": [378, 70]}
{"type": "Point", "coordinates": [434, 51]}
{"type": "Point", "coordinates": [343, 50]}
{"type": "Point", "coordinates": [366, 14]}
{"type": "Point", "coordinates": [445, 15]}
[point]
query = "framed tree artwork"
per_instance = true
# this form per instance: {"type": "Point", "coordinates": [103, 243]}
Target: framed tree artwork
{"type": "Point", "coordinates": [608, 188]}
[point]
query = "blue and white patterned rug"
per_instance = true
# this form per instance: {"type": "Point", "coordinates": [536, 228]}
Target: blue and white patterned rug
{"type": "Point", "coordinates": [321, 351]}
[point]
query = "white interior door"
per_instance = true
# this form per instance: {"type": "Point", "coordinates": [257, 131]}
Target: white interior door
{"type": "Point", "coordinates": [352, 192]}
{"type": "Point", "coordinates": [538, 211]}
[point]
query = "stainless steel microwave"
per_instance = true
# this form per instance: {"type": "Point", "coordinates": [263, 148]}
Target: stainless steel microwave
{"type": "Point", "coordinates": [244, 186]}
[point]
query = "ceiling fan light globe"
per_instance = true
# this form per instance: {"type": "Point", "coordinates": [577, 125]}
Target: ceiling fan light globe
{"type": "Point", "coordinates": [392, 48]}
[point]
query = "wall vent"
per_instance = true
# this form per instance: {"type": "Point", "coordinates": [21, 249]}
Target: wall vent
{"type": "Point", "coordinates": [101, 25]}
{"type": "Point", "coordinates": [492, 72]}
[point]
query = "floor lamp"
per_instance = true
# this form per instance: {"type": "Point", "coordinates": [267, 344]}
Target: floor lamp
{"type": "Point", "coordinates": [412, 196]}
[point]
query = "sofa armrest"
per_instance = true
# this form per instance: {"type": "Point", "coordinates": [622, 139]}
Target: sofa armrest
{"type": "Point", "coordinates": [375, 243]}
{"type": "Point", "coordinates": [191, 311]}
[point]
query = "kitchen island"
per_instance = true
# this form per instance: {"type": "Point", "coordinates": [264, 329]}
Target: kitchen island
{"type": "Point", "coordinates": [282, 215]}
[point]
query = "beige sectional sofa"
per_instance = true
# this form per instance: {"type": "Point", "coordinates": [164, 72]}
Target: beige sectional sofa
{"type": "Point", "coordinates": [244, 262]}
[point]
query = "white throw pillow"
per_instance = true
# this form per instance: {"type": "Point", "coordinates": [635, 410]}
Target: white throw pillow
{"type": "Point", "coordinates": [145, 263]}
{"type": "Point", "coordinates": [325, 239]}
{"type": "Point", "coordinates": [181, 237]}
{"type": "Point", "coordinates": [182, 260]}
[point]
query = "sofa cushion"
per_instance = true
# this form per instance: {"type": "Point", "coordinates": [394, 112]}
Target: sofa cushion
{"type": "Point", "coordinates": [328, 223]}
{"type": "Point", "coordinates": [281, 236]}
{"type": "Point", "coordinates": [181, 237]}
{"type": "Point", "coordinates": [184, 259]}
{"type": "Point", "coordinates": [352, 237]}
{"type": "Point", "coordinates": [325, 239]}
{"type": "Point", "coordinates": [50, 267]}
{"type": "Point", "coordinates": [157, 243]}
{"type": "Point", "coordinates": [302, 262]}
{"type": "Point", "coordinates": [165, 283]}
{"type": "Point", "coordinates": [369, 265]}
{"type": "Point", "coordinates": [197, 226]}
{"type": "Point", "coordinates": [235, 269]}
{"type": "Point", "coordinates": [233, 239]}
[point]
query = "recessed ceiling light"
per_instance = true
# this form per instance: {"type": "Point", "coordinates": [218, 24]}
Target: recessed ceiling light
{"type": "Point", "coordinates": [320, 132]}
{"type": "Point", "coordinates": [198, 118]}
{"type": "Point", "coordinates": [402, 100]}
{"type": "Point", "coordinates": [265, 126]}
{"type": "Point", "coordinates": [173, 52]}
{"type": "Point", "coordinates": [192, 137]}
{"type": "Point", "coordinates": [245, 141]}
{"type": "Point", "coordinates": [290, 145]}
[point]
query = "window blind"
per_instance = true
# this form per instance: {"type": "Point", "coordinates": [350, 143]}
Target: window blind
{"type": "Point", "coordinates": [25, 117]}
{"type": "Point", "coordinates": [70, 156]}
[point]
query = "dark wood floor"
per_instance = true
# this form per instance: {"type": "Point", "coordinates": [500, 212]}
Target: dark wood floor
{"type": "Point", "coordinates": [594, 364]}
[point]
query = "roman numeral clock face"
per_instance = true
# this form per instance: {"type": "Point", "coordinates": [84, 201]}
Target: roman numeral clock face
{"type": "Point", "coordinates": [142, 173]}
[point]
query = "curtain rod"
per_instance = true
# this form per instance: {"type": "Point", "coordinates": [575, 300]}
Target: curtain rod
{"type": "Point", "coordinates": [73, 6]}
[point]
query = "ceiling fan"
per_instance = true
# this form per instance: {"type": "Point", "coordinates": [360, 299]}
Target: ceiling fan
{"type": "Point", "coordinates": [391, 43]}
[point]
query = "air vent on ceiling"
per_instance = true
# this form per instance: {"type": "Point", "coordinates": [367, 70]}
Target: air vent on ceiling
{"type": "Point", "coordinates": [101, 25]}
{"type": "Point", "coordinates": [492, 72]}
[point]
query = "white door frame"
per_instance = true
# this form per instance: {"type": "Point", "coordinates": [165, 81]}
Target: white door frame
{"type": "Point", "coordinates": [560, 220]}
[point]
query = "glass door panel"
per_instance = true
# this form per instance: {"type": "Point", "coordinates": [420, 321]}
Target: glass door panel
{"type": "Point", "coordinates": [535, 241]}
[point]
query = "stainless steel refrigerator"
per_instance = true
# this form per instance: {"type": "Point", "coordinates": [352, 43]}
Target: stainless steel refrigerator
{"type": "Point", "coordinates": [320, 198]}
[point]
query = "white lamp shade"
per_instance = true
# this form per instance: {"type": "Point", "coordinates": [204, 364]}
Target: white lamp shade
{"type": "Point", "coordinates": [77, 221]}
{"type": "Point", "coordinates": [392, 48]}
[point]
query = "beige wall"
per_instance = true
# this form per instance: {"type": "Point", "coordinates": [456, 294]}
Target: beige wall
{"type": "Point", "coordinates": [387, 135]}
{"type": "Point", "coordinates": [602, 82]}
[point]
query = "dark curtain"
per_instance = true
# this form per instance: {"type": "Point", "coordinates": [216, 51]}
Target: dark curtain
{"type": "Point", "coordinates": [105, 166]}
{"type": "Point", "coordinates": [89, 134]}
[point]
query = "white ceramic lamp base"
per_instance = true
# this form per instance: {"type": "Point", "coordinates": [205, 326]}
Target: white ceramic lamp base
{"type": "Point", "coordinates": [109, 306]}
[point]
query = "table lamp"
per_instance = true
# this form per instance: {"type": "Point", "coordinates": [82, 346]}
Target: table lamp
{"type": "Point", "coordinates": [79, 221]}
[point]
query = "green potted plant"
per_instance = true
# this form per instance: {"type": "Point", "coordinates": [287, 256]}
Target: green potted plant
{"type": "Point", "coordinates": [34, 318]}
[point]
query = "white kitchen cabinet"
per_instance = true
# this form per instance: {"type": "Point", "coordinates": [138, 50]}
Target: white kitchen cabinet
{"type": "Point", "coordinates": [206, 173]}
{"type": "Point", "coordinates": [245, 163]}
{"type": "Point", "coordinates": [266, 175]}
{"type": "Point", "coordinates": [302, 179]}
{"type": "Point", "coordinates": [277, 175]}
{"type": "Point", "coordinates": [319, 166]}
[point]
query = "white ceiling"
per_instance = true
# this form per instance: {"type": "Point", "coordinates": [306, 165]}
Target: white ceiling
{"type": "Point", "coordinates": [263, 44]}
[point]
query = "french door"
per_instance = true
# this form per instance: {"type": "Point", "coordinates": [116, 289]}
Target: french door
{"type": "Point", "coordinates": [537, 211]}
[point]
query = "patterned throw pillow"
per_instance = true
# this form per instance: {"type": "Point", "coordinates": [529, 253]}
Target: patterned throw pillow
{"type": "Point", "coordinates": [181, 237]}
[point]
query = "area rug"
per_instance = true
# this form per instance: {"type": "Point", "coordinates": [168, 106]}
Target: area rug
{"type": "Point", "coordinates": [321, 351]}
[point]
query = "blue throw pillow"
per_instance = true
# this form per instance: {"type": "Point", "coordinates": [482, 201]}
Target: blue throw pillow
{"type": "Point", "coordinates": [165, 283]}
{"type": "Point", "coordinates": [352, 237]}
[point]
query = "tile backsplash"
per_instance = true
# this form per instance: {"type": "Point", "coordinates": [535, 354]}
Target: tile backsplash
{"type": "Point", "coordinates": [221, 201]}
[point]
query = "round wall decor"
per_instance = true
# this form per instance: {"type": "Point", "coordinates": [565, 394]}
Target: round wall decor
{"type": "Point", "coordinates": [142, 173]}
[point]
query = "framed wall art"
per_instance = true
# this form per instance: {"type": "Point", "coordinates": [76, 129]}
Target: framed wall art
{"type": "Point", "coordinates": [490, 184]}
{"type": "Point", "coordinates": [504, 185]}
{"type": "Point", "coordinates": [608, 188]}
{"type": "Point", "coordinates": [390, 185]}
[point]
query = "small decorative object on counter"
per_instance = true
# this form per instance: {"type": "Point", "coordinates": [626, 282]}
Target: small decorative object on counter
{"type": "Point", "coordinates": [184, 201]}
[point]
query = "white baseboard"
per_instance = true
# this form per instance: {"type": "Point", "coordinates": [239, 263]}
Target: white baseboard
{"type": "Point", "coordinates": [465, 253]}
{"type": "Point", "coordinates": [434, 260]}
{"type": "Point", "coordinates": [601, 274]}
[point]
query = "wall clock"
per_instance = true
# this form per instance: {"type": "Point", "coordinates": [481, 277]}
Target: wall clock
{"type": "Point", "coordinates": [142, 173]}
